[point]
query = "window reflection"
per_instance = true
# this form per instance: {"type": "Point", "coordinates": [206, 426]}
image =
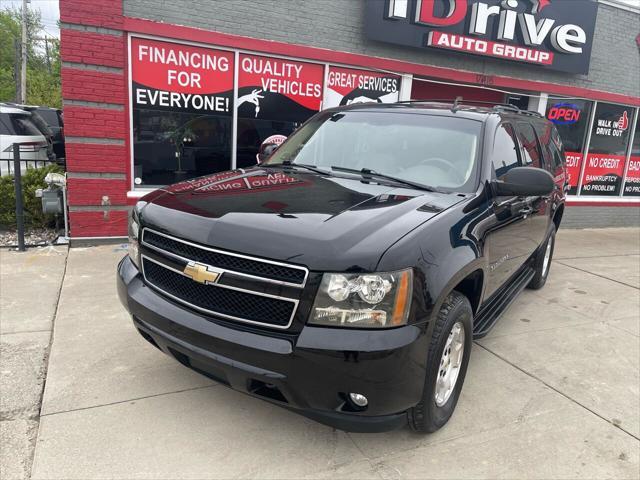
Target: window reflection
{"type": "Point", "coordinates": [173, 146]}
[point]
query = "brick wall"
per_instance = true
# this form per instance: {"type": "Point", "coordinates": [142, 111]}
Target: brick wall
{"type": "Point", "coordinates": [339, 25]}
{"type": "Point", "coordinates": [97, 157]}
{"type": "Point", "coordinates": [92, 48]}
{"type": "Point", "coordinates": [93, 52]}
{"type": "Point", "coordinates": [92, 86]}
{"type": "Point", "coordinates": [600, 217]}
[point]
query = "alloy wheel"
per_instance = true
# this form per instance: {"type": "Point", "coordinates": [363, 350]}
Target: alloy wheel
{"type": "Point", "coordinates": [450, 364]}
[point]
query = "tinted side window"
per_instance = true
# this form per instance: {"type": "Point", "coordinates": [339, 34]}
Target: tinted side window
{"type": "Point", "coordinates": [531, 154]}
{"type": "Point", "coordinates": [50, 116]}
{"type": "Point", "coordinates": [39, 122]}
{"type": "Point", "coordinates": [18, 124]}
{"type": "Point", "coordinates": [5, 125]}
{"type": "Point", "coordinates": [505, 150]}
{"type": "Point", "coordinates": [23, 125]}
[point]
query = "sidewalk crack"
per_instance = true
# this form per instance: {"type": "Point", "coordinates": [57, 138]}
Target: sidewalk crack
{"type": "Point", "coordinates": [47, 358]}
{"type": "Point", "coordinates": [598, 275]}
{"type": "Point", "coordinates": [128, 400]}
{"type": "Point", "coordinates": [573, 400]}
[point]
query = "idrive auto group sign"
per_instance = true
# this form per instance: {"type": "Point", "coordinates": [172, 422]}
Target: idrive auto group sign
{"type": "Point", "coordinates": [553, 34]}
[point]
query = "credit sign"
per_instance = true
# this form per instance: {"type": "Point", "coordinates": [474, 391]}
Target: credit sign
{"type": "Point", "coordinates": [554, 34]}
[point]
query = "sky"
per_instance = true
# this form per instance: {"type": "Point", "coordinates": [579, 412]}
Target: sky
{"type": "Point", "coordinates": [48, 9]}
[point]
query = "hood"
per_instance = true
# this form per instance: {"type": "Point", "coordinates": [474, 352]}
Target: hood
{"type": "Point", "coordinates": [322, 222]}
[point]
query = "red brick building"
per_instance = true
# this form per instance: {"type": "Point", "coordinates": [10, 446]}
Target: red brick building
{"type": "Point", "coordinates": [106, 176]}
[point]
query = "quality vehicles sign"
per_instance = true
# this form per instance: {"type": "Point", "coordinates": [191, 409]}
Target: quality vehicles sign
{"type": "Point", "coordinates": [278, 89]}
{"type": "Point", "coordinates": [554, 34]}
{"type": "Point", "coordinates": [178, 77]}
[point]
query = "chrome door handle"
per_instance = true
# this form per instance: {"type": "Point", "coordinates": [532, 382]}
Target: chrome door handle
{"type": "Point", "coordinates": [525, 210]}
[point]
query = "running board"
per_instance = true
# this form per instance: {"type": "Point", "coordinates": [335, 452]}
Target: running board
{"type": "Point", "coordinates": [490, 313]}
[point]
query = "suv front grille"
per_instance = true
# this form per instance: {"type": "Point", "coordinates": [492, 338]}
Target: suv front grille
{"type": "Point", "coordinates": [264, 296]}
{"type": "Point", "coordinates": [264, 269]}
{"type": "Point", "coordinates": [220, 300]}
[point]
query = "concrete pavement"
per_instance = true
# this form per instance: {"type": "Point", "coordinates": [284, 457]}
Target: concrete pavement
{"type": "Point", "coordinates": [29, 288]}
{"type": "Point", "coordinates": [551, 392]}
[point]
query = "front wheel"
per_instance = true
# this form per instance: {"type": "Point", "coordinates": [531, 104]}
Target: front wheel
{"type": "Point", "coordinates": [542, 263]}
{"type": "Point", "coordinates": [447, 363]}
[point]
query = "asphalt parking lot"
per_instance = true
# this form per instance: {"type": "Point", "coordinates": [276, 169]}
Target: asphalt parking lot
{"type": "Point", "coordinates": [551, 392]}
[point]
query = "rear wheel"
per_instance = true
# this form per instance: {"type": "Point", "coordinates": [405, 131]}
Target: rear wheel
{"type": "Point", "coordinates": [446, 365]}
{"type": "Point", "coordinates": [542, 263]}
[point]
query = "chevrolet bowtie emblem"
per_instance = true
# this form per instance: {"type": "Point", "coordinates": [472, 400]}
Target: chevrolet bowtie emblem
{"type": "Point", "coordinates": [201, 273]}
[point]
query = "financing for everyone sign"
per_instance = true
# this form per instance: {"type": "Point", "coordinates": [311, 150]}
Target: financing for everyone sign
{"type": "Point", "coordinates": [177, 77]}
{"type": "Point", "coordinates": [554, 34]}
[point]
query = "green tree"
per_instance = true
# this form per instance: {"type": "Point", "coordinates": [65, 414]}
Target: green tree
{"type": "Point", "coordinates": [43, 65]}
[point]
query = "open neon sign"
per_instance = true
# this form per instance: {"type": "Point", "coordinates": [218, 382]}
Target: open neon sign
{"type": "Point", "coordinates": [564, 113]}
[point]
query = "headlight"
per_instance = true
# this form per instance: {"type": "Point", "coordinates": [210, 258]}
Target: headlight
{"type": "Point", "coordinates": [372, 300]}
{"type": "Point", "coordinates": [134, 251]}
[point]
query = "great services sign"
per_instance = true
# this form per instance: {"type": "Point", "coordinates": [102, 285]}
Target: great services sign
{"type": "Point", "coordinates": [554, 34]}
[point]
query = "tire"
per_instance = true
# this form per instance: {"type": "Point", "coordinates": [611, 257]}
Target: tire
{"type": "Point", "coordinates": [431, 413]}
{"type": "Point", "coordinates": [541, 266]}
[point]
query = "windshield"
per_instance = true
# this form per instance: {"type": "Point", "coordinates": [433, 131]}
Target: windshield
{"type": "Point", "coordinates": [436, 151]}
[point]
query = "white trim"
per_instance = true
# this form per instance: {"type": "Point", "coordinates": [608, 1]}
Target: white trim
{"type": "Point", "coordinates": [632, 133]}
{"type": "Point", "coordinates": [130, 106]}
{"type": "Point", "coordinates": [598, 199]}
{"type": "Point", "coordinates": [585, 147]}
{"type": "Point", "coordinates": [125, 238]}
{"type": "Point", "coordinates": [325, 81]}
{"type": "Point", "coordinates": [539, 103]}
{"type": "Point", "coordinates": [406, 84]}
{"type": "Point", "coordinates": [234, 113]}
{"type": "Point", "coordinates": [140, 192]}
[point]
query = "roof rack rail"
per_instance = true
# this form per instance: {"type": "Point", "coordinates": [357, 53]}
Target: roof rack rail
{"type": "Point", "coordinates": [459, 102]}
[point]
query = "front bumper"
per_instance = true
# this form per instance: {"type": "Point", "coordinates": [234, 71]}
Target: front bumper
{"type": "Point", "coordinates": [310, 372]}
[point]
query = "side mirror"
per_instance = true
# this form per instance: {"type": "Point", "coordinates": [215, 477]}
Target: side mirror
{"type": "Point", "coordinates": [524, 182]}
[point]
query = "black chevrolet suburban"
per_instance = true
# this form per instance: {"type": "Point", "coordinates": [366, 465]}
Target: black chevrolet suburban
{"type": "Point", "coordinates": [346, 276]}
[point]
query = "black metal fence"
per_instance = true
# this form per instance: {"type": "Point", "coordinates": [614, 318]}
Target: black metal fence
{"type": "Point", "coordinates": [7, 165]}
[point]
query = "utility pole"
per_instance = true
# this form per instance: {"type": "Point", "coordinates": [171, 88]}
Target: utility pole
{"type": "Point", "coordinates": [16, 44]}
{"type": "Point", "coordinates": [46, 46]}
{"type": "Point", "coordinates": [23, 69]}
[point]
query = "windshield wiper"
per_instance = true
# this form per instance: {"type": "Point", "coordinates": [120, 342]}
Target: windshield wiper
{"type": "Point", "coordinates": [367, 173]}
{"type": "Point", "coordinates": [288, 163]}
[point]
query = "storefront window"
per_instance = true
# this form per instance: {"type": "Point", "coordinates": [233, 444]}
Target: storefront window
{"type": "Point", "coordinates": [275, 96]}
{"type": "Point", "coordinates": [632, 183]}
{"type": "Point", "coordinates": [571, 118]}
{"type": "Point", "coordinates": [182, 111]}
{"type": "Point", "coordinates": [607, 150]}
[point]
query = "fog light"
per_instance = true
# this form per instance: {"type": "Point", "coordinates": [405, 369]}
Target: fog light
{"type": "Point", "coordinates": [358, 399]}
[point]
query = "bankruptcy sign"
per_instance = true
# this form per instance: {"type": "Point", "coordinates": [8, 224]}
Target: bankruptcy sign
{"type": "Point", "coordinates": [553, 34]}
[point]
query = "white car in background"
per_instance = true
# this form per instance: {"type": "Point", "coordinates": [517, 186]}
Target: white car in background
{"type": "Point", "coordinates": [16, 126]}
